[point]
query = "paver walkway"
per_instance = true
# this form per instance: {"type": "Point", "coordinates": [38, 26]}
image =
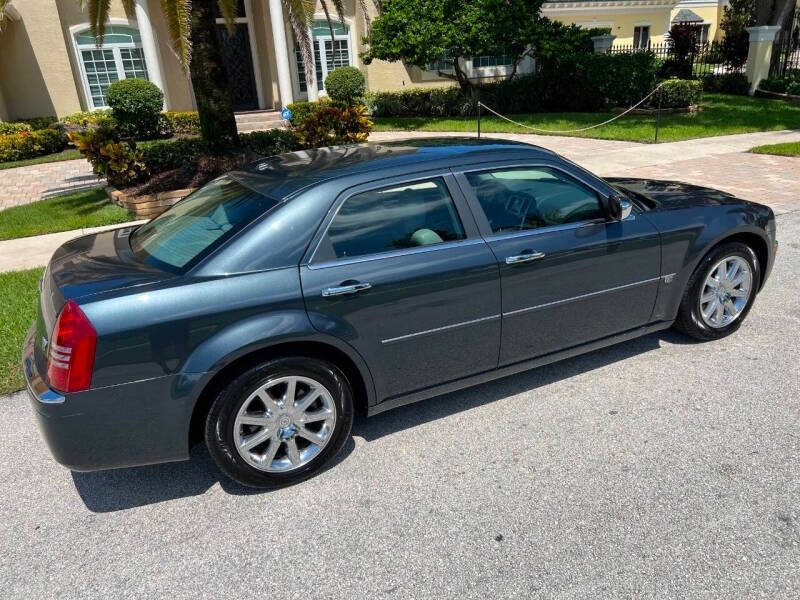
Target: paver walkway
{"type": "Point", "coordinates": [721, 162]}
{"type": "Point", "coordinates": [24, 185]}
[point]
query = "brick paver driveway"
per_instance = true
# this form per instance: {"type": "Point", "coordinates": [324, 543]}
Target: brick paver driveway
{"type": "Point", "coordinates": [24, 185]}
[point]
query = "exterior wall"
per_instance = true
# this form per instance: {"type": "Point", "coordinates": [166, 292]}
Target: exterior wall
{"type": "Point", "coordinates": [621, 19]}
{"type": "Point", "coordinates": [35, 74]}
{"type": "Point", "coordinates": [709, 11]}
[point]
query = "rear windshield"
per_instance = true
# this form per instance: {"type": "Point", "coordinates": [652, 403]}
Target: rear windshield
{"type": "Point", "coordinates": [194, 227]}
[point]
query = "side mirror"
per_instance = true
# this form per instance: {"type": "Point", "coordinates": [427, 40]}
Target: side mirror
{"type": "Point", "coordinates": [619, 208]}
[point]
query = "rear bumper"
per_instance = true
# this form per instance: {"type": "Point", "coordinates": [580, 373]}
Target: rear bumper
{"type": "Point", "coordinates": [137, 423]}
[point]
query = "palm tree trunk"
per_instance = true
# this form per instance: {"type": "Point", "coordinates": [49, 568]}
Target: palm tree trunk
{"type": "Point", "coordinates": [210, 81]}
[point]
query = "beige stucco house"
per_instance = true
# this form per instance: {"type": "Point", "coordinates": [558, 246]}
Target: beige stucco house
{"type": "Point", "coordinates": [51, 65]}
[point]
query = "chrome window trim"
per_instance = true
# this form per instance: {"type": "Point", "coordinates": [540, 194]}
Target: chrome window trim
{"type": "Point", "coordinates": [589, 295]}
{"type": "Point", "coordinates": [408, 336]}
{"type": "Point", "coordinates": [442, 174]}
{"type": "Point", "coordinates": [394, 253]}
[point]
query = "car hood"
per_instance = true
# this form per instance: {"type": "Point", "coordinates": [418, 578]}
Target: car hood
{"type": "Point", "coordinates": [100, 262]}
{"type": "Point", "coordinates": [673, 194]}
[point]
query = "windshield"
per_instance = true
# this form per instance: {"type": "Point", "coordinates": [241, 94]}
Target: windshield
{"type": "Point", "coordinates": [197, 225]}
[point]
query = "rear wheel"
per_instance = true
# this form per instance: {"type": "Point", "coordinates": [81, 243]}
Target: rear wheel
{"type": "Point", "coordinates": [720, 292]}
{"type": "Point", "coordinates": [280, 422]}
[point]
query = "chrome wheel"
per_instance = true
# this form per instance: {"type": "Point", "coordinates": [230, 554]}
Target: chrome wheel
{"type": "Point", "coordinates": [726, 292]}
{"type": "Point", "coordinates": [284, 423]}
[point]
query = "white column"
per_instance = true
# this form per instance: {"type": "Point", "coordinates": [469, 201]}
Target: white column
{"type": "Point", "coordinates": [759, 55]}
{"type": "Point", "coordinates": [152, 56]}
{"type": "Point", "coordinates": [281, 52]}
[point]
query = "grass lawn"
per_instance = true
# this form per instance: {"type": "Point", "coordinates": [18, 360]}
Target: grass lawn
{"type": "Point", "coordinates": [20, 294]}
{"type": "Point", "coordinates": [787, 149]}
{"type": "Point", "coordinates": [68, 154]}
{"type": "Point", "coordinates": [721, 114]}
{"type": "Point", "coordinates": [90, 208]}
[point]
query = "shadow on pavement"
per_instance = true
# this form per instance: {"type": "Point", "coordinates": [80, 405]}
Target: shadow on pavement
{"type": "Point", "coordinates": [120, 489]}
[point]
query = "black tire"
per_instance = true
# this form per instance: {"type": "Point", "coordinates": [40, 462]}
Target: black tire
{"type": "Point", "coordinates": [219, 433]}
{"type": "Point", "coordinates": [690, 320]}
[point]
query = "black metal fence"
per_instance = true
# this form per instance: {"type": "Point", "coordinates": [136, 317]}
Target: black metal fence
{"type": "Point", "coordinates": [786, 50]}
{"type": "Point", "coordinates": [703, 59]}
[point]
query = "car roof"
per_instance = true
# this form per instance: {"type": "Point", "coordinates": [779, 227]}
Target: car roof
{"type": "Point", "coordinates": [284, 175]}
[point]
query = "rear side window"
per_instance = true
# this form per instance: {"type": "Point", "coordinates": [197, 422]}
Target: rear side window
{"type": "Point", "coordinates": [521, 199]}
{"type": "Point", "coordinates": [197, 225]}
{"type": "Point", "coordinates": [409, 215]}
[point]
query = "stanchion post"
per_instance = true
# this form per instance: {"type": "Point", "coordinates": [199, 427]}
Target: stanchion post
{"type": "Point", "coordinates": [658, 115]}
{"type": "Point", "coordinates": [479, 118]}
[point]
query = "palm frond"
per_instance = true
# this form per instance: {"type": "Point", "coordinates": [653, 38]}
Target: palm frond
{"type": "Point", "coordinates": [339, 6]}
{"type": "Point", "coordinates": [227, 9]}
{"type": "Point", "coordinates": [179, 24]}
{"type": "Point", "coordinates": [98, 17]}
{"type": "Point", "coordinates": [3, 14]}
{"type": "Point", "coordinates": [367, 20]}
{"type": "Point", "coordinates": [327, 16]}
{"type": "Point", "coordinates": [301, 17]}
{"type": "Point", "coordinates": [129, 6]}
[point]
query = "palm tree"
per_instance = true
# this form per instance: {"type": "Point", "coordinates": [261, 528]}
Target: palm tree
{"type": "Point", "coordinates": [192, 32]}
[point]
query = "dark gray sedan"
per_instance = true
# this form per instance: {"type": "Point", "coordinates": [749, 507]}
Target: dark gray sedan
{"type": "Point", "coordinates": [263, 311]}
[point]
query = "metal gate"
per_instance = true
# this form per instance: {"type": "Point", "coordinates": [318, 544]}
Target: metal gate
{"type": "Point", "coordinates": [786, 51]}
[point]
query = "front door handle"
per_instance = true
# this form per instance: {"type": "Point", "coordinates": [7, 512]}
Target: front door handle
{"type": "Point", "coordinates": [344, 290]}
{"type": "Point", "coordinates": [524, 258]}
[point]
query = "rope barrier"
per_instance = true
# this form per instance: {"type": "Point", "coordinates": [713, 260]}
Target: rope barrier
{"type": "Point", "coordinates": [635, 106]}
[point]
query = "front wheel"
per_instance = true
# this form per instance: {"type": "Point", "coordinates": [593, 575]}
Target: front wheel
{"type": "Point", "coordinates": [280, 422]}
{"type": "Point", "coordinates": [720, 292]}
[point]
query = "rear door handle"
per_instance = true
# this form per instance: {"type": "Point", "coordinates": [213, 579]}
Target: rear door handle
{"type": "Point", "coordinates": [524, 258]}
{"type": "Point", "coordinates": [344, 290]}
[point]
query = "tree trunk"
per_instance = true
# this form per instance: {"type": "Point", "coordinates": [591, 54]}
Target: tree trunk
{"type": "Point", "coordinates": [773, 12]}
{"type": "Point", "coordinates": [210, 81]}
{"type": "Point", "coordinates": [462, 78]}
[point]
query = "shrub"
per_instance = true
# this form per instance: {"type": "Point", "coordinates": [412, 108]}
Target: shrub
{"type": "Point", "coordinates": [727, 83]}
{"type": "Point", "coordinates": [165, 155]}
{"type": "Point", "coordinates": [30, 144]}
{"type": "Point", "coordinates": [345, 84]}
{"type": "Point", "coordinates": [331, 126]}
{"type": "Point", "coordinates": [271, 142]}
{"type": "Point", "coordinates": [119, 162]}
{"type": "Point", "coordinates": [788, 84]}
{"type": "Point", "coordinates": [8, 127]}
{"type": "Point", "coordinates": [677, 93]}
{"type": "Point", "coordinates": [85, 119]}
{"type": "Point", "coordinates": [136, 105]}
{"type": "Point", "coordinates": [183, 123]}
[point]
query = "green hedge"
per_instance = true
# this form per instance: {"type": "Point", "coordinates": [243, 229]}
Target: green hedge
{"type": "Point", "coordinates": [789, 84]}
{"type": "Point", "coordinates": [30, 144]}
{"type": "Point", "coordinates": [9, 127]}
{"type": "Point", "coordinates": [136, 106]}
{"type": "Point", "coordinates": [182, 123]}
{"type": "Point", "coordinates": [678, 93]}
{"type": "Point", "coordinates": [577, 82]}
{"type": "Point", "coordinates": [726, 83]}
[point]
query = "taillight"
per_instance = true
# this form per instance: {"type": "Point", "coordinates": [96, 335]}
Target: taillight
{"type": "Point", "coordinates": [70, 358]}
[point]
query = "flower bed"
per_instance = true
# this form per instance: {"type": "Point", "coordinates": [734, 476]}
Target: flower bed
{"type": "Point", "coordinates": [146, 206]}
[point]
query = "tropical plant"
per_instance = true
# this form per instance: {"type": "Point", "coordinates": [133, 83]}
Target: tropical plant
{"type": "Point", "coordinates": [331, 125]}
{"type": "Point", "coordinates": [345, 84]}
{"type": "Point", "coordinates": [136, 106]}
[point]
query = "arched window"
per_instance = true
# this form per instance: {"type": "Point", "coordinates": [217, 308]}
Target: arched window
{"type": "Point", "coordinates": [120, 57]}
{"type": "Point", "coordinates": [336, 51]}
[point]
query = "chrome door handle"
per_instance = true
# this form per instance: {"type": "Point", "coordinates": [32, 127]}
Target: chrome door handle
{"type": "Point", "coordinates": [524, 258]}
{"type": "Point", "coordinates": [344, 290]}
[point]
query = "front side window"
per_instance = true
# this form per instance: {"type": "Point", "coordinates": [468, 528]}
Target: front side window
{"type": "Point", "coordinates": [198, 224]}
{"type": "Point", "coordinates": [393, 218]}
{"type": "Point", "coordinates": [494, 60]}
{"type": "Point", "coordinates": [119, 57]}
{"type": "Point", "coordinates": [336, 52]}
{"type": "Point", "coordinates": [528, 198]}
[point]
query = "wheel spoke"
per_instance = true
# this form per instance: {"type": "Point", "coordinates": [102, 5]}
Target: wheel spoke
{"type": "Point", "coordinates": [255, 439]}
{"type": "Point", "coordinates": [708, 297]}
{"type": "Point", "coordinates": [739, 293]}
{"type": "Point", "coordinates": [308, 399]}
{"type": "Point", "coordinates": [733, 271]}
{"type": "Point", "coordinates": [312, 437]}
{"type": "Point", "coordinates": [291, 390]}
{"type": "Point", "coordinates": [259, 420]}
{"type": "Point", "coordinates": [712, 306]}
{"type": "Point", "coordinates": [722, 271]}
{"type": "Point", "coordinates": [732, 310]}
{"type": "Point", "coordinates": [272, 450]}
{"type": "Point", "coordinates": [292, 452]}
{"type": "Point", "coordinates": [719, 313]}
{"type": "Point", "coordinates": [739, 279]}
{"type": "Point", "coordinates": [317, 415]}
{"type": "Point", "coordinates": [268, 401]}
